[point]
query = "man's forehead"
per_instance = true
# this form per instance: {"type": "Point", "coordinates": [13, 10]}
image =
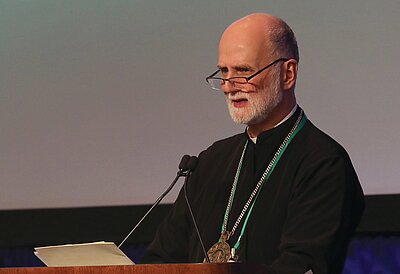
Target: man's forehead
{"type": "Point", "coordinates": [240, 61]}
{"type": "Point", "coordinates": [242, 51]}
{"type": "Point", "coordinates": [244, 44]}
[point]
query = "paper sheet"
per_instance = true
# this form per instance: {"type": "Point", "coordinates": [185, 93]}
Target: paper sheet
{"type": "Point", "coordinates": [87, 254]}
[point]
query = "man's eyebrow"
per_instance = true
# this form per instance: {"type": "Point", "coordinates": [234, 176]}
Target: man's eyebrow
{"type": "Point", "coordinates": [243, 66]}
{"type": "Point", "coordinates": [237, 67]}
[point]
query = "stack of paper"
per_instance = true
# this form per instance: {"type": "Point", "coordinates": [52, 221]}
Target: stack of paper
{"type": "Point", "coordinates": [88, 254]}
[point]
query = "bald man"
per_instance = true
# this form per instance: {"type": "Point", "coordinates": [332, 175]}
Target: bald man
{"type": "Point", "coordinates": [282, 193]}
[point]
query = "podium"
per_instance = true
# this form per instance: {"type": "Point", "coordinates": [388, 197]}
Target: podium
{"type": "Point", "coordinates": [228, 268]}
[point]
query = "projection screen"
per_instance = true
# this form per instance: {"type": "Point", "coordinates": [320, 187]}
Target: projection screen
{"type": "Point", "coordinates": [100, 99]}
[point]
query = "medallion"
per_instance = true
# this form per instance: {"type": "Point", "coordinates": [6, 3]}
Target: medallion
{"type": "Point", "coordinates": [220, 252]}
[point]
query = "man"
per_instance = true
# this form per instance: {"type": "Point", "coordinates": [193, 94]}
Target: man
{"type": "Point", "coordinates": [282, 193]}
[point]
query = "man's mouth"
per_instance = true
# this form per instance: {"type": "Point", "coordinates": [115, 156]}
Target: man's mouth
{"type": "Point", "coordinates": [239, 102]}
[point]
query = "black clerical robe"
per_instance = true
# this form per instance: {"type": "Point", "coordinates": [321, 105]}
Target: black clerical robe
{"type": "Point", "coordinates": [303, 218]}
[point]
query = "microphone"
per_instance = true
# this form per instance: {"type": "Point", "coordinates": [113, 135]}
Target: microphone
{"type": "Point", "coordinates": [183, 165]}
{"type": "Point", "coordinates": [183, 171]}
{"type": "Point", "coordinates": [191, 165]}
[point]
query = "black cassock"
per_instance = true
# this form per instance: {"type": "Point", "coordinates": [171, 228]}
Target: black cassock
{"type": "Point", "coordinates": [303, 218]}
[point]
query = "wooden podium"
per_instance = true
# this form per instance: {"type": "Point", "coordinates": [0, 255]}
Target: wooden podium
{"type": "Point", "coordinates": [228, 268]}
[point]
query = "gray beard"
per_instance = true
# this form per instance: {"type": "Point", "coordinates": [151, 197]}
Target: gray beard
{"type": "Point", "coordinates": [261, 105]}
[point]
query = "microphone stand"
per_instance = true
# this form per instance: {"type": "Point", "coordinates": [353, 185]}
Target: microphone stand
{"type": "Point", "coordinates": [179, 174]}
{"type": "Point", "coordinates": [192, 215]}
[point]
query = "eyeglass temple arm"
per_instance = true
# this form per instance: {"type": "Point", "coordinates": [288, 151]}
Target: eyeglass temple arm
{"type": "Point", "coordinates": [273, 63]}
{"type": "Point", "coordinates": [212, 75]}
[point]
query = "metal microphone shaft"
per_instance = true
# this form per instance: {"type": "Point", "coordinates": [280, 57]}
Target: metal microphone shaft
{"type": "Point", "coordinates": [192, 163]}
{"type": "Point", "coordinates": [182, 171]}
{"type": "Point", "coordinates": [194, 222]}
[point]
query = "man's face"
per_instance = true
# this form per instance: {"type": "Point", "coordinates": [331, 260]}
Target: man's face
{"type": "Point", "coordinates": [252, 105]}
{"type": "Point", "coordinates": [240, 55]}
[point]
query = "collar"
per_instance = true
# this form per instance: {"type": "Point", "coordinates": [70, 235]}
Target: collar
{"type": "Point", "coordinates": [254, 140]}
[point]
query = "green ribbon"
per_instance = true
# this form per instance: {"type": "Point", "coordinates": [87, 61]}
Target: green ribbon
{"type": "Point", "coordinates": [299, 127]}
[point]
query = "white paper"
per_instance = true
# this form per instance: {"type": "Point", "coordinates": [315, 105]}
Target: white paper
{"type": "Point", "coordinates": [87, 254]}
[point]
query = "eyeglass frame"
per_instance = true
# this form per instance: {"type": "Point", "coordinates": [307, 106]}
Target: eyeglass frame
{"type": "Point", "coordinates": [247, 79]}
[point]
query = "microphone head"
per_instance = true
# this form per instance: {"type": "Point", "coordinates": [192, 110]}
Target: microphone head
{"type": "Point", "coordinates": [192, 163]}
{"type": "Point", "coordinates": [183, 165]}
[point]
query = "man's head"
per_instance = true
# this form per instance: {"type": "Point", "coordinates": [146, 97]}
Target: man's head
{"type": "Point", "coordinates": [247, 46]}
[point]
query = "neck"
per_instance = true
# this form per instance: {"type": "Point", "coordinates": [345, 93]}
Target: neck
{"type": "Point", "coordinates": [273, 119]}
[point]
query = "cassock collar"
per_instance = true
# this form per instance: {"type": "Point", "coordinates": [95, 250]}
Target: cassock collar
{"type": "Point", "coordinates": [285, 123]}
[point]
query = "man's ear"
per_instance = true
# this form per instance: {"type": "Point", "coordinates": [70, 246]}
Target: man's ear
{"type": "Point", "coordinates": [289, 71]}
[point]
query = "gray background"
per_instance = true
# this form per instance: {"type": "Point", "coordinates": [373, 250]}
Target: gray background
{"type": "Point", "coordinates": [100, 99]}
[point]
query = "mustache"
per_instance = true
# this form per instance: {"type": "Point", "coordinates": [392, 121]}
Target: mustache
{"type": "Point", "coordinates": [237, 96]}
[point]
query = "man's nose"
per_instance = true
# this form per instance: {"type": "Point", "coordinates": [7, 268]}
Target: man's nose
{"type": "Point", "coordinates": [227, 86]}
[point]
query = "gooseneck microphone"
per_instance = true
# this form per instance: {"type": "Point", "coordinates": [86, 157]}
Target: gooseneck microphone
{"type": "Point", "coordinates": [192, 163]}
{"type": "Point", "coordinates": [183, 171]}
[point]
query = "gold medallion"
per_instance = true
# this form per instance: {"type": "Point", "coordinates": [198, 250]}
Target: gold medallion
{"type": "Point", "coordinates": [220, 252]}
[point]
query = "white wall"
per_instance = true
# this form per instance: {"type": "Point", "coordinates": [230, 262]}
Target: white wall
{"type": "Point", "coordinates": [100, 99]}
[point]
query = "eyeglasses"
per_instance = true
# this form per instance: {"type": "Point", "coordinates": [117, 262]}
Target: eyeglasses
{"type": "Point", "coordinates": [217, 82]}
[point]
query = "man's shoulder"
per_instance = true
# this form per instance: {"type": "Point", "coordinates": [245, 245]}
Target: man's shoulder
{"type": "Point", "coordinates": [226, 145]}
{"type": "Point", "coordinates": [237, 138]}
{"type": "Point", "coordinates": [317, 142]}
